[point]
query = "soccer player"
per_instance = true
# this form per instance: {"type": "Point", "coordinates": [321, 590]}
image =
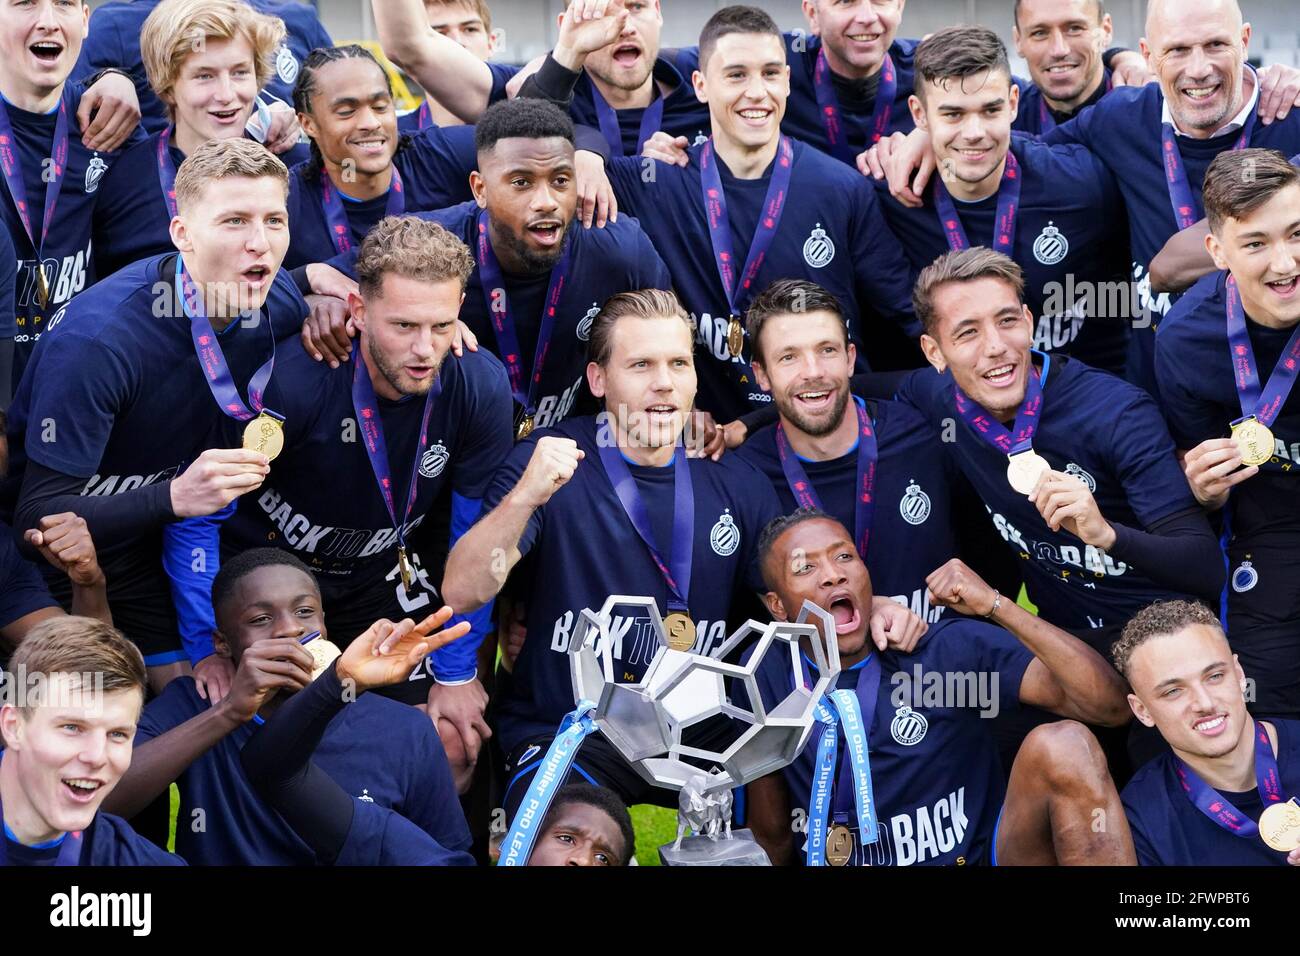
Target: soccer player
{"type": "Point", "coordinates": [53, 779]}
{"type": "Point", "coordinates": [927, 806]}
{"type": "Point", "coordinates": [469, 23]}
{"type": "Point", "coordinates": [1064, 44]}
{"type": "Point", "coordinates": [56, 157]}
{"type": "Point", "coordinates": [117, 421]}
{"type": "Point", "coordinates": [1075, 466]}
{"type": "Point", "coordinates": [267, 602]}
{"type": "Point", "coordinates": [1055, 210]}
{"type": "Point", "coordinates": [114, 42]}
{"type": "Point", "coordinates": [1203, 803]}
{"type": "Point", "coordinates": [1226, 364]}
{"type": "Point", "coordinates": [361, 168]}
{"type": "Point", "coordinates": [410, 426]}
{"type": "Point", "coordinates": [766, 206]}
{"type": "Point", "coordinates": [209, 90]}
{"type": "Point", "coordinates": [873, 465]}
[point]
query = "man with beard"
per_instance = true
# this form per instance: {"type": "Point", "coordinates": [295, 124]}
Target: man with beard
{"type": "Point", "coordinates": [404, 424]}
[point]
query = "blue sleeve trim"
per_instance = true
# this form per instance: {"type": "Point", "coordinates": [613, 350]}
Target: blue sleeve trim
{"type": "Point", "coordinates": [192, 589]}
{"type": "Point", "coordinates": [458, 661]}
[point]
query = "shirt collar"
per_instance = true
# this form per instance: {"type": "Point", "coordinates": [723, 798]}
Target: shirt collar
{"type": "Point", "coordinates": [1234, 124]}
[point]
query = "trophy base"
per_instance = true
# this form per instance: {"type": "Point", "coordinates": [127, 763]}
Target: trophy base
{"type": "Point", "coordinates": [740, 850]}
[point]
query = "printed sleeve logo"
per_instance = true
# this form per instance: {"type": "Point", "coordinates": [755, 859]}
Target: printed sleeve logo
{"type": "Point", "coordinates": [365, 796]}
{"type": "Point", "coordinates": [95, 170]}
{"type": "Point", "coordinates": [908, 728]}
{"type": "Point", "coordinates": [286, 64]}
{"type": "Point", "coordinates": [584, 325]}
{"type": "Point", "coordinates": [725, 536]}
{"type": "Point", "coordinates": [819, 250]}
{"type": "Point", "coordinates": [1077, 472]}
{"type": "Point", "coordinates": [915, 506]}
{"type": "Point", "coordinates": [1051, 246]}
{"type": "Point", "coordinates": [433, 461]}
{"type": "Point", "coordinates": [1244, 578]}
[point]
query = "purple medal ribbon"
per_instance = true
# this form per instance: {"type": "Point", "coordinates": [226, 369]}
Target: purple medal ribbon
{"type": "Point", "coordinates": [336, 216]}
{"type": "Point", "coordinates": [1047, 122]}
{"type": "Point", "coordinates": [167, 171]}
{"type": "Point", "coordinates": [651, 122]}
{"type": "Point", "coordinates": [213, 362]}
{"type": "Point", "coordinates": [1213, 804]}
{"type": "Point", "coordinates": [366, 405]}
{"type": "Point", "coordinates": [993, 431]}
{"type": "Point", "coordinates": [1004, 229]}
{"type": "Point", "coordinates": [829, 105]}
{"type": "Point", "coordinates": [1267, 405]}
{"type": "Point", "coordinates": [14, 176]}
{"type": "Point", "coordinates": [1186, 209]}
{"type": "Point", "coordinates": [498, 306]}
{"type": "Point", "coordinates": [677, 570]}
{"type": "Point", "coordinates": [864, 498]}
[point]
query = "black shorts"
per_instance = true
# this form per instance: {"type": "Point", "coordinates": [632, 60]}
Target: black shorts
{"type": "Point", "coordinates": [1263, 624]}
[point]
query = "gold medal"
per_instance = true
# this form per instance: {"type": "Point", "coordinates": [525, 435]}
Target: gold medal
{"type": "Point", "coordinates": [404, 568]}
{"type": "Point", "coordinates": [681, 631]}
{"type": "Point", "coordinates": [43, 286]}
{"type": "Point", "coordinates": [839, 845]}
{"type": "Point", "coordinates": [322, 654]}
{"type": "Point", "coordinates": [265, 434]}
{"type": "Point", "coordinates": [525, 428]}
{"type": "Point", "coordinates": [1024, 469]}
{"type": "Point", "coordinates": [735, 337]}
{"type": "Point", "coordinates": [1279, 826]}
{"type": "Point", "coordinates": [1254, 441]}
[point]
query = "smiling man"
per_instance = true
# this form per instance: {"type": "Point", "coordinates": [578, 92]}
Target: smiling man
{"type": "Point", "coordinates": [118, 421]}
{"type": "Point", "coordinates": [1063, 42]}
{"type": "Point", "coordinates": [1222, 790]}
{"type": "Point", "coordinates": [67, 717]}
{"type": "Point", "coordinates": [1226, 366]}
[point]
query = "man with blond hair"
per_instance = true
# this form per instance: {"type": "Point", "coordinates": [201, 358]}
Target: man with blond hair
{"type": "Point", "coordinates": [117, 420]}
{"type": "Point", "coordinates": [70, 672]}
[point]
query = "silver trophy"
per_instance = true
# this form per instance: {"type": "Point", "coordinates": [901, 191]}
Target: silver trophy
{"type": "Point", "coordinates": [645, 721]}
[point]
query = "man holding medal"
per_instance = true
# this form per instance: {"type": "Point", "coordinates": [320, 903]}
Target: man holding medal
{"type": "Point", "coordinates": [119, 420]}
{"type": "Point", "coordinates": [1226, 365]}
{"type": "Point", "coordinates": [881, 778]}
{"type": "Point", "coordinates": [1226, 793]}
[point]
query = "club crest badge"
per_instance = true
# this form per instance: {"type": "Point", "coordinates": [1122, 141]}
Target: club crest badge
{"type": "Point", "coordinates": [95, 170]}
{"type": "Point", "coordinates": [286, 64]}
{"type": "Point", "coordinates": [1244, 578]}
{"type": "Point", "coordinates": [819, 250]}
{"type": "Point", "coordinates": [725, 536]}
{"type": "Point", "coordinates": [915, 504]}
{"type": "Point", "coordinates": [1076, 472]}
{"type": "Point", "coordinates": [433, 461]}
{"type": "Point", "coordinates": [583, 331]}
{"type": "Point", "coordinates": [908, 728]}
{"type": "Point", "coordinates": [1051, 246]}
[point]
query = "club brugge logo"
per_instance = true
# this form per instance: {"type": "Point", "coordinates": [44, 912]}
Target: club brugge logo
{"type": "Point", "coordinates": [95, 170]}
{"type": "Point", "coordinates": [1077, 472]}
{"type": "Point", "coordinates": [433, 461]}
{"type": "Point", "coordinates": [286, 64]}
{"type": "Point", "coordinates": [584, 325]}
{"type": "Point", "coordinates": [1244, 578]}
{"type": "Point", "coordinates": [908, 727]}
{"type": "Point", "coordinates": [818, 251]}
{"type": "Point", "coordinates": [915, 506]}
{"type": "Point", "coordinates": [1051, 247]}
{"type": "Point", "coordinates": [700, 138]}
{"type": "Point", "coordinates": [725, 536]}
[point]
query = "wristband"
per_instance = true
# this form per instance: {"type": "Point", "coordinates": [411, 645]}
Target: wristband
{"type": "Point", "coordinates": [997, 605]}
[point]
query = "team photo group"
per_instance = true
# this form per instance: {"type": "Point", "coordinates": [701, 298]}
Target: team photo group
{"type": "Point", "coordinates": [827, 442]}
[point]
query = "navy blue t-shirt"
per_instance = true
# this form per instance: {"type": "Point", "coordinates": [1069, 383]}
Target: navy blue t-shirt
{"type": "Point", "coordinates": [935, 773]}
{"type": "Point", "coordinates": [108, 841]}
{"type": "Point", "coordinates": [131, 218]}
{"type": "Point", "coordinates": [603, 262]}
{"type": "Point", "coordinates": [22, 589]}
{"type": "Point", "coordinates": [684, 114]}
{"type": "Point", "coordinates": [66, 252]}
{"type": "Point", "coordinates": [1168, 830]}
{"type": "Point", "coordinates": [1126, 458]}
{"type": "Point", "coordinates": [502, 73]}
{"type": "Point", "coordinates": [380, 837]}
{"type": "Point", "coordinates": [434, 164]}
{"type": "Point", "coordinates": [586, 549]}
{"type": "Point", "coordinates": [831, 232]}
{"type": "Point", "coordinates": [378, 750]}
{"type": "Point", "coordinates": [1070, 238]}
{"type": "Point", "coordinates": [1123, 130]}
{"type": "Point", "coordinates": [1029, 117]}
{"type": "Point", "coordinates": [114, 41]}
{"type": "Point", "coordinates": [322, 500]}
{"type": "Point", "coordinates": [911, 527]}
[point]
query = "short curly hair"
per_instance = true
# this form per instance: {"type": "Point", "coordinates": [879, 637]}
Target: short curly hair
{"type": "Point", "coordinates": [414, 248]}
{"type": "Point", "coordinates": [1158, 620]}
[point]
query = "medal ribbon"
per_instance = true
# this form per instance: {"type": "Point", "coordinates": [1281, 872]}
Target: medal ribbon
{"type": "Point", "coordinates": [1267, 405]}
{"type": "Point", "coordinates": [846, 708]}
{"type": "Point", "coordinates": [336, 216]}
{"type": "Point", "coordinates": [652, 121]}
{"type": "Point", "coordinates": [213, 361]}
{"type": "Point", "coordinates": [167, 171]}
{"type": "Point", "coordinates": [1186, 209]}
{"type": "Point", "coordinates": [527, 823]}
{"type": "Point", "coordinates": [677, 570]}
{"type": "Point", "coordinates": [14, 175]}
{"type": "Point", "coordinates": [1004, 228]}
{"type": "Point", "coordinates": [864, 501]}
{"type": "Point", "coordinates": [1213, 804]}
{"type": "Point", "coordinates": [498, 306]}
{"type": "Point", "coordinates": [993, 431]}
{"type": "Point", "coordinates": [366, 405]}
{"type": "Point", "coordinates": [829, 105]}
